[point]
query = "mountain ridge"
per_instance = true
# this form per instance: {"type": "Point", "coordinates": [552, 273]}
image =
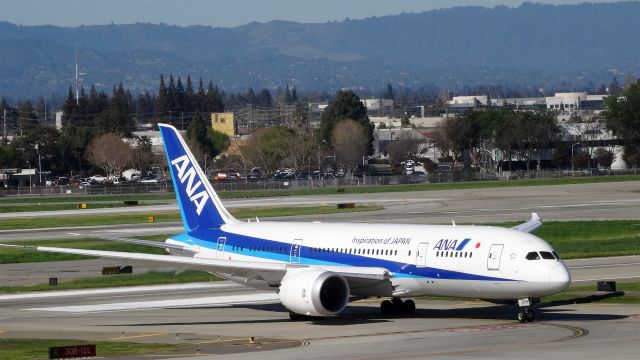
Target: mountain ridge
{"type": "Point", "coordinates": [563, 46]}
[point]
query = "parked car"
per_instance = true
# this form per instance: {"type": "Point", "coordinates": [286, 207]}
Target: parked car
{"type": "Point", "coordinates": [98, 179]}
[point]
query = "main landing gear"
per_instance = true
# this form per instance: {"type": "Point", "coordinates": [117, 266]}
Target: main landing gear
{"type": "Point", "coordinates": [396, 306]}
{"type": "Point", "coordinates": [525, 310]}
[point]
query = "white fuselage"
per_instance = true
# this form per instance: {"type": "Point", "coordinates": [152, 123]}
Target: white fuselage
{"type": "Point", "coordinates": [464, 261]}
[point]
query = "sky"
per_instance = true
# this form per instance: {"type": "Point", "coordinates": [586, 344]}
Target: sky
{"type": "Point", "coordinates": [224, 13]}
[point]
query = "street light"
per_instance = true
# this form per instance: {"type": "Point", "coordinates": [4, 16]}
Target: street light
{"type": "Point", "coordinates": [39, 165]}
{"type": "Point", "coordinates": [572, 166]}
{"type": "Point", "coordinates": [29, 166]}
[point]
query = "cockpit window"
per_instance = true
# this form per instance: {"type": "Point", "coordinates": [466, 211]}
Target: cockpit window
{"type": "Point", "coordinates": [533, 256]}
{"type": "Point", "coordinates": [556, 255]}
{"type": "Point", "coordinates": [547, 255]}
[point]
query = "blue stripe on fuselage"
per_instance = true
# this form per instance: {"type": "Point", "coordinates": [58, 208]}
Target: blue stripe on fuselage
{"type": "Point", "coordinates": [280, 251]}
{"type": "Point", "coordinates": [462, 244]}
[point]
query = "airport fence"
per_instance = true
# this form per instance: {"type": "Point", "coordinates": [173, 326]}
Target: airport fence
{"type": "Point", "coordinates": [243, 185]}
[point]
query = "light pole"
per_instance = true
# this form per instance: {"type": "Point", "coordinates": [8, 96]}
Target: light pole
{"type": "Point", "coordinates": [572, 166]}
{"type": "Point", "coordinates": [39, 165]}
{"type": "Point", "coordinates": [29, 166]}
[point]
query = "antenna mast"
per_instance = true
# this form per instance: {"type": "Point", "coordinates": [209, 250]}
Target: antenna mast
{"type": "Point", "coordinates": [77, 94]}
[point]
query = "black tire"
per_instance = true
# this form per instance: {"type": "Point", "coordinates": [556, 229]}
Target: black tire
{"type": "Point", "coordinates": [409, 307]}
{"type": "Point", "coordinates": [522, 316]}
{"type": "Point", "coordinates": [530, 315]}
{"type": "Point", "coordinates": [397, 306]}
{"type": "Point", "coordinates": [386, 307]}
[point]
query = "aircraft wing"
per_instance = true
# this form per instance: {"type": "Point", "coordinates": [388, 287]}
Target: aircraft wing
{"type": "Point", "coordinates": [357, 277]}
{"type": "Point", "coordinates": [531, 225]}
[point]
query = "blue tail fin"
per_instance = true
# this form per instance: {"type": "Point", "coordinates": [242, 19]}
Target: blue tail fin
{"type": "Point", "coordinates": [200, 207]}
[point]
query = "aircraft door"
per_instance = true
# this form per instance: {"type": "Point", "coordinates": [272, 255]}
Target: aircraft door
{"type": "Point", "coordinates": [493, 262]}
{"type": "Point", "coordinates": [220, 247]}
{"type": "Point", "coordinates": [421, 255]}
{"type": "Point", "coordinates": [294, 255]}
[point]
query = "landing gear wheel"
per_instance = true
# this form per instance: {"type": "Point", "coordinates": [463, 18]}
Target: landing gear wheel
{"type": "Point", "coordinates": [522, 315]}
{"type": "Point", "coordinates": [386, 307]}
{"type": "Point", "coordinates": [409, 307]}
{"type": "Point", "coordinates": [530, 315]}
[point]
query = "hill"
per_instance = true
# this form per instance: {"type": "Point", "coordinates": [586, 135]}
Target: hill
{"type": "Point", "coordinates": [568, 46]}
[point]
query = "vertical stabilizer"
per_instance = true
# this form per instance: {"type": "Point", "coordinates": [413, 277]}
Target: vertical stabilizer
{"type": "Point", "coordinates": [199, 204]}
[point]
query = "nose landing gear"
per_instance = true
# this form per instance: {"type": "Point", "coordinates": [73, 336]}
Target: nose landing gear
{"type": "Point", "coordinates": [525, 311]}
{"type": "Point", "coordinates": [396, 306]}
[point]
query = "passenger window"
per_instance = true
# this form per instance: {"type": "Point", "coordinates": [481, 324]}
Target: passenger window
{"type": "Point", "coordinates": [547, 255]}
{"type": "Point", "coordinates": [533, 256]}
{"type": "Point", "coordinates": [409, 252]}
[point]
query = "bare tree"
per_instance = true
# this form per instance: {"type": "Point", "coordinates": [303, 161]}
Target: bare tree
{"type": "Point", "coordinates": [405, 148]}
{"type": "Point", "coordinates": [109, 153]}
{"type": "Point", "coordinates": [350, 143]}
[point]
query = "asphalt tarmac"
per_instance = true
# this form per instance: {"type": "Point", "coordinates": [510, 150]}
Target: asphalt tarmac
{"type": "Point", "coordinates": [219, 319]}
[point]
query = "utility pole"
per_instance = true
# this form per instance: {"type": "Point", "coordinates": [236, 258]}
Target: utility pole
{"type": "Point", "coordinates": [77, 95]}
{"type": "Point", "coordinates": [4, 131]}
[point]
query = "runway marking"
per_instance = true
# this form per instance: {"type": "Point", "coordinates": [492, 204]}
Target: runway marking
{"type": "Point", "coordinates": [221, 340]}
{"type": "Point", "coordinates": [137, 336]}
{"type": "Point", "coordinates": [173, 303]}
{"type": "Point", "coordinates": [119, 290]}
{"type": "Point", "coordinates": [74, 234]}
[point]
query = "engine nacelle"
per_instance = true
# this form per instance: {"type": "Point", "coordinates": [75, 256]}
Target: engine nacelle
{"type": "Point", "coordinates": [314, 292]}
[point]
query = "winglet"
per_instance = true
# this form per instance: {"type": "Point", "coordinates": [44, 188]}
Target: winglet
{"type": "Point", "coordinates": [199, 204]}
{"type": "Point", "coordinates": [531, 225]}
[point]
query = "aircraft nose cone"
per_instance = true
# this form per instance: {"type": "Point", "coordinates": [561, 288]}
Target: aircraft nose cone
{"type": "Point", "coordinates": [559, 277]}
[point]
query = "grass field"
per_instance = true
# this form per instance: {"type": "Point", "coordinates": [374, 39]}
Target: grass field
{"type": "Point", "coordinates": [584, 239]}
{"type": "Point", "coordinates": [172, 216]}
{"type": "Point", "coordinates": [332, 190]}
{"type": "Point", "coordinates": [34, 349]}
{"type": "Point", "coordinates": [47, 206]}
{"type": "Point", "coordinates": [14, 256]}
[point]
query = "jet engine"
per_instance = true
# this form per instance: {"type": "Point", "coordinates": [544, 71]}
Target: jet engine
{"type": "Point", "coordinates": [314, 292]}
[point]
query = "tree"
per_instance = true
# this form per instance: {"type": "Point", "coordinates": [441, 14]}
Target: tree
{"type": "Point", "coordinates": [69, 109]}
{"type": "Point", "coordinates": [604, 157]}
{"type": "Point", "coordinates": [623, 121]}
{"type": "Point", "coordinates": [109, 153]}
{"type": "Point", "coordinates": [350, 144]}
{"type": "Point", "coordinates": [265, 149]}
{"type": "Point", "coordinates": [388, 93]}
{"type": "Point", "coordinates": [405, 148]}
{"type": "Point", "coordinates": [346, 105]}
{"type": "Point", "coordinates": [142, 155]}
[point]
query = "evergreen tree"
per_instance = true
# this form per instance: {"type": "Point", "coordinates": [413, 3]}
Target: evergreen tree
{"type": "Point", "coordinates": [287, 95]}
{"type": "Point", "coordinates": [69, 109]}
{"type": "Point", "coordinates": [162, 101]}
{"type": "Point", "coordinates": [190, 96]}
{"type": "Point", "coordinates": [294, 95]}
{"type": "Point", "coordinates": [264, 98]}
{"type": "Point", "coordinates": [181, 97]}
{"type": "Point", "coordinates": [346, 105]}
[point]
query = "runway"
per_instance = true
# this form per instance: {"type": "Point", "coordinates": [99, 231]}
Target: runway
{"type": "Point", "coordinates": [599, 201]}
{"type": "Point", "coordinates": [219, 318]}
{"type": "Point", "coordinates": [203, 316]}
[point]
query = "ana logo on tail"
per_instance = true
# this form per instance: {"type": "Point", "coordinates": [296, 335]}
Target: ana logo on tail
{"type": "Point", "coordinates": [187, 173]}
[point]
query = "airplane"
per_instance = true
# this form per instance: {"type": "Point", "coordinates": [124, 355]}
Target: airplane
{"type": "Point", "coordinates": [318, 268]}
